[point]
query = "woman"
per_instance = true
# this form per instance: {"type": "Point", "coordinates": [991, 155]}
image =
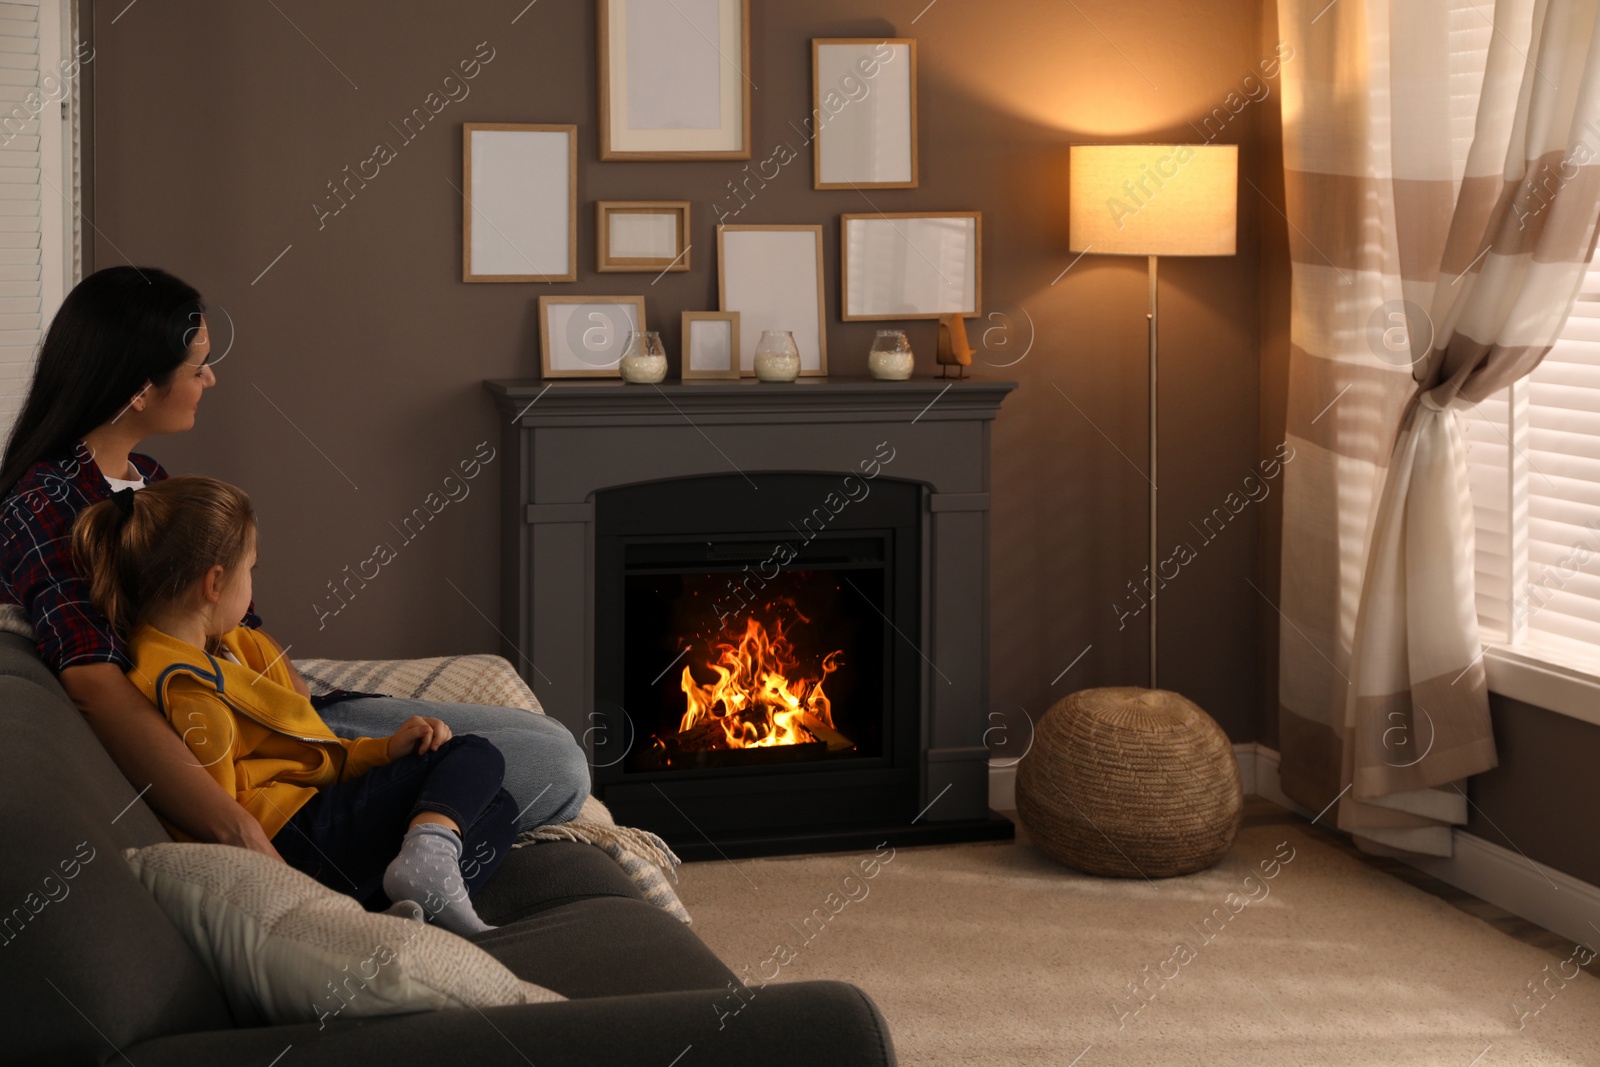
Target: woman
{"type": "Point", "coordinates": [127, 357]}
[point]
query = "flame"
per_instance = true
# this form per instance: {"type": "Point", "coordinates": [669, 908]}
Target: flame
{"type": "Point", "coordinates": [760, 697]}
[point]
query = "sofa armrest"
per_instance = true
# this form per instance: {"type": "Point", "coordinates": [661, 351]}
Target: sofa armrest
{"type": "Point", "coordinates": [795, 1024]}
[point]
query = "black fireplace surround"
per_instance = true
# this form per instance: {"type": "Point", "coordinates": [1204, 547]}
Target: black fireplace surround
{"type": "Point", "coordinates": [684, 564]}
{"type": "Point", "coordinates": [824, 542]}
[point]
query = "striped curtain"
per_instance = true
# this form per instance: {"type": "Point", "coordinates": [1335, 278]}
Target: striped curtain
{"type": "Point", "coordinates": [1442, 165]}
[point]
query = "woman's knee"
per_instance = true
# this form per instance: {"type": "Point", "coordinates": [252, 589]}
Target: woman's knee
{"type": "Point", "coordinates": [571, 762]}
{"type": "Point", "coordinates": [573, 781]}
{"type": "Point", "coordinates": [564, 775]}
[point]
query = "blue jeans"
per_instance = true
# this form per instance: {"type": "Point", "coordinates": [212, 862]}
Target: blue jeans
{"type": "Point", "coordinates": [346, 836]}
{"type": "Point", "coordinates": [546, 770]}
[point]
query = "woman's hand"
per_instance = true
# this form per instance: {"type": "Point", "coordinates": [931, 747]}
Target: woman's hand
{"type": "Point", "coordinates": [417, 734]}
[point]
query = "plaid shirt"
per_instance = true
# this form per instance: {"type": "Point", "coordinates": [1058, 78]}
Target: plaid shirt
{"type": "Point", "coordinates": [37, 570]}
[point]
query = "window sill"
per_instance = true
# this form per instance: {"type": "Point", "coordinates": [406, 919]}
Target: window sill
{"type": "Point", "coordinates": [1561, 689]}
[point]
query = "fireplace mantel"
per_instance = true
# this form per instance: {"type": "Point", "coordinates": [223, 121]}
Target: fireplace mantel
{"type": "Point", "coordinates": [568, 439]}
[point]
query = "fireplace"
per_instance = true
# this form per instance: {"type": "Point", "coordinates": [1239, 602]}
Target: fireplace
{"type": "Point", "coordinates": [747, 652]}
{"type": "Point", "coordinates": [762, 609]}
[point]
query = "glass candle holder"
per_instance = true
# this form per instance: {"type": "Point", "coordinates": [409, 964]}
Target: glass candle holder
{"type": "Point", "coordinates": [777, 356]}
{"type": "Point", "coordinates": [644, 360]}
{"type": "Point", "coordinates": [890, 359]}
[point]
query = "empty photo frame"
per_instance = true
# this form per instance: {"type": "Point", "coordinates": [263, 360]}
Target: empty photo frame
{"type": "Point", "coordinates": [584, 336]}
{"type": "Point", "coordinates": [674, 79]}
{"type": "Point", "coordinates": [864, 109]}
{"type": "Point", "coordinates": [520, 210]}
{"type": "Point", "coordinates": [710, 345]}
{"type": "Point", "coordinates": [911, 265]}
{"type": "Point", "coordinates": [772, 276]}
{"type": "Point", "coordinates": [648, 236]}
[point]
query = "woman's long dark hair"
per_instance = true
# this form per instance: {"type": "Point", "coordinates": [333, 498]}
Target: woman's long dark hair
{"type": "Point", "coordinates": [119, 328]}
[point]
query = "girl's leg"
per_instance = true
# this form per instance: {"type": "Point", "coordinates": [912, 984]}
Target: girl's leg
{"type": "Point", "coordinates": [347, 836]}
{"type": "Point", "coordinates": [547, 773]}
{"type": "Point", "coordinates": [460, 804]}
{"type": "Point", "coordinates": [487, 842]}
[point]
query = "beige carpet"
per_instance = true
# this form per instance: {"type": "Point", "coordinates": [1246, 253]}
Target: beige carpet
{"type": "Point", "coordinates": [995, 954]}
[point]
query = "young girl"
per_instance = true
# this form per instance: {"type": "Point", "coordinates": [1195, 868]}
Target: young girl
{"type": "Point", "coordinates": [169, 566]}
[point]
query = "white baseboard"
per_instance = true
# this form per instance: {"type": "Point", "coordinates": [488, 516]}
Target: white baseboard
{"type": "Point", "coordinates": [1266, 779]}
{"type": "Point", "coordinates": [1542, 895]}
{"type": "Point", "coordinates": [1002, 786]}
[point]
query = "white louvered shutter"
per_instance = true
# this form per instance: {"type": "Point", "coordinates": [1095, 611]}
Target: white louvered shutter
{"type": "Point", "coordinates": [1535, 460]}
{"type": "Point", "coordinates": [39, 186]}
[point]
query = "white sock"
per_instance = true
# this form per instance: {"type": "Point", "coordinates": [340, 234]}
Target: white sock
{"type": "Point", "coordinates": [428, 870]}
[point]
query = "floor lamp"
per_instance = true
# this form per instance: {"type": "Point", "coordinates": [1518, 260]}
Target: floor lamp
{"type": "Point", "coordinates": [1154, 200]}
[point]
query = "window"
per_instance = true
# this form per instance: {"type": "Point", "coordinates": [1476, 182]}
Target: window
{"type": "Point", "coordinates": [40, 182]}
{"type": "Point", "coordinates": [1535, 468]}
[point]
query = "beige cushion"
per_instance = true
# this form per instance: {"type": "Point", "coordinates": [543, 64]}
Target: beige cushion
{"type": "Point", "coordinates": [287, 949]}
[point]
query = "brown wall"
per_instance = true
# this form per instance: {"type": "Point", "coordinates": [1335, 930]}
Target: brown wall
{"type": "Point", "coordinates": [1544, 799]}
{"type": "Point", "coordinates": [354, 384]}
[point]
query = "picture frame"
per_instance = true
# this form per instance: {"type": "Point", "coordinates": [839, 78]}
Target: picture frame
{"type": "Point", "coordinates": [864, 111]}
{"type": "Point", "coordinates": [710, 345]}
{"type": "Point", "coordinates": [910, 265]}
{"type": "Point", "coordinates": [642, 236]}
{"type": "Point", "coordinates": [674, 79]}
{"type": "Point", "coordinates": [772, 276]}
{"type": "Point", "coordinates": [519, 213]}
{"type": "Point", "coordinates": [584, 336]}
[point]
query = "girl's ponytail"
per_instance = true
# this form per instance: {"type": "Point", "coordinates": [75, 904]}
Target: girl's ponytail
{"type": "Point", "coordinates": [97, 546]}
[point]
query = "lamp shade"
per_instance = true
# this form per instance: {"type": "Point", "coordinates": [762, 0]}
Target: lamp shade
{"type": "Point", "coordinates": [1154, 199]}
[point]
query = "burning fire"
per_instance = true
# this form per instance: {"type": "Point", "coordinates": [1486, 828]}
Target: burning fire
{"type": "Point", "coordinates": [760, 697]}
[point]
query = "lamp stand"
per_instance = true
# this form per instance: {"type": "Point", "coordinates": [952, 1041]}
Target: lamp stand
{"type": "Point", "coordinates": [1155, 578]}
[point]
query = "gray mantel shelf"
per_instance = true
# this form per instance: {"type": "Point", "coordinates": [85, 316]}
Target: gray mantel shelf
{"type": "Point", "coordinates": [850, 398]}
{"type": "Point", "coordinates": [566, 441]}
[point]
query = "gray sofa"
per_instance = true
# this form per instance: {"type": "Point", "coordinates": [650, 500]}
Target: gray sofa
{"type": "Point", "coordinates": [92, 972]}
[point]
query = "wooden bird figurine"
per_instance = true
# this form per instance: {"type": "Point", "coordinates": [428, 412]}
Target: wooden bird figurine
{"type": "Point", "coordinates": [954, 351]}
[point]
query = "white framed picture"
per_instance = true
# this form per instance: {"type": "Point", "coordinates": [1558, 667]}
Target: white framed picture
{"type": "Point", "coordinates": [584, 336]}
{"type": "Point", "coordinates": [642, 236]}
{"type": "Point", "coordinates": [864, 105]}
{"type": "Point", "coordinates": [520, 210]}
{"type": "Point", "coordinates": [772, 276]}
{"type": "Point", "coordinates": [911, 265]}
{"type": "Point", "coordinates": [674, 79]}
{"type": "Point", "coordinates": [710, 345]}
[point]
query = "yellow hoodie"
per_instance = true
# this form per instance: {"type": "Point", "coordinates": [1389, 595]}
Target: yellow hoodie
{"type": "Point", "coordinates": [260, 739]}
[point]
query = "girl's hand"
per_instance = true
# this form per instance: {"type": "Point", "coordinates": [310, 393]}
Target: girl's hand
{"type": "Point", "coordinates": [417, 734]}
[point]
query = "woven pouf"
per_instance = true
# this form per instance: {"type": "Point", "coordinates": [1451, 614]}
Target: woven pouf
{"type": "Point", "coordinates": [1131, 783]}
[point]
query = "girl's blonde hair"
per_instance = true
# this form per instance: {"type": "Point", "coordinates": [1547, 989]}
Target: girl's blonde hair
{"type": "Point", "coordinates": [150, 548]}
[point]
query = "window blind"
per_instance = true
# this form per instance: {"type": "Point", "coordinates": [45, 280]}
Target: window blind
{"type": "Point", "coordinates": [1535, 468]}
{"type": "Point", "coordinates": [37, 188]}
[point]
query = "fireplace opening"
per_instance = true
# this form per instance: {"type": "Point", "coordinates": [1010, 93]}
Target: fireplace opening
{"type": "Point", "coordinates": [758, 682]}
{"type": "Point", "coordinates": [727, 667]}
